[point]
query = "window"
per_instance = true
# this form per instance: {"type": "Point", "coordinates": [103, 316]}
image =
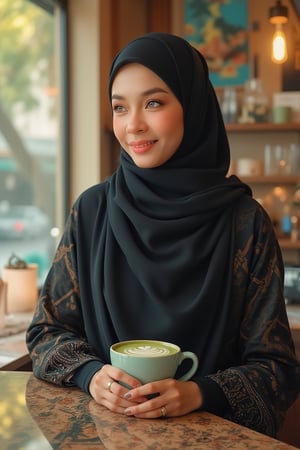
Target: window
{"type": "Point", "coordinates": [32, 148]}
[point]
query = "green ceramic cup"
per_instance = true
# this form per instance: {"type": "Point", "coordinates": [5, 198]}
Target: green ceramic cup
{"type": "Point", "coordinates": [149, 360]}
{"type": "Point", "coordinates": [281, 114]}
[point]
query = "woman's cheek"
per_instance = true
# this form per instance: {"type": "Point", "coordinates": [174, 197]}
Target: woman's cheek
{"type": "Point", "coordinates": [117, 128]}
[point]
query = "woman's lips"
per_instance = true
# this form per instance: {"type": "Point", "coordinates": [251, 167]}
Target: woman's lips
{"type": "Point", "coordinates": [141, 146]}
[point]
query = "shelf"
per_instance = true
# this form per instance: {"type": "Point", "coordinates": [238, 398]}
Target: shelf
{"type": "Point", "coordinates": [288, 244]}
{"type": "Point", "coordinates": [264, 183]}
{"type": "Point", "coordinates": [271, 179]}
{"type": "Point", "coordinates": [246, 127]}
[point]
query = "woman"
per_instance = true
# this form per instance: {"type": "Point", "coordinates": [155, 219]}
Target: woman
{"type": "Point", "coordinates": [169, 248]}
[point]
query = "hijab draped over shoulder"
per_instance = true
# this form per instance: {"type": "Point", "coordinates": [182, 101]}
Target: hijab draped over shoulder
{"type": "Point", "coordinates": [168, 245]}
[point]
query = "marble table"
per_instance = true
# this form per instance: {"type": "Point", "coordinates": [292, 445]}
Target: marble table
{"type": "Point", "coordinates": [37, 415]}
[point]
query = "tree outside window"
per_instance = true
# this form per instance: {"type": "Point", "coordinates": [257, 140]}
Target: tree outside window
{"type": "Point", "coordinates": [29, 133]}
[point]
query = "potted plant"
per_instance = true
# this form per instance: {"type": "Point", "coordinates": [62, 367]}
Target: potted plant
{"type": "Point", "coordinates": [20, 279]}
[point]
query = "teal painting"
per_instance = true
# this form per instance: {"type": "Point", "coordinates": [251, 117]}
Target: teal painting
{"type": "Point", "coordinates": [219, 30]}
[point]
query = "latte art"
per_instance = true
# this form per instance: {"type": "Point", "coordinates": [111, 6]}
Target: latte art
{"type": "Point", "coordinates": [146, 350]}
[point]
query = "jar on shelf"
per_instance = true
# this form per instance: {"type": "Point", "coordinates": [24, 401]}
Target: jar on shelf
{"type": "Point", "coordinates": [255, 102]}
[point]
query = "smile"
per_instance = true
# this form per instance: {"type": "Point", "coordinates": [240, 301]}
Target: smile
{"type": "Point", "coordinates": [141, 147]}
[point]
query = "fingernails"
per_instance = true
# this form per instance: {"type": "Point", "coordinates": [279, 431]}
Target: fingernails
{"type": "Point", "coordinates": [127, 396]}
{"type": "Point", "coordinates": [128, 412]}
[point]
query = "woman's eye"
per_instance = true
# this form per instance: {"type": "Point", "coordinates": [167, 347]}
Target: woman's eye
{"type": "Point", "coordinates": [118, 108]}
{"type": "Point", "coordinates": [153, 104]}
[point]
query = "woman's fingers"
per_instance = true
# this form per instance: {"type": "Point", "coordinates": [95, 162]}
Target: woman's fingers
{"type": "Point", "coordinates": [109, 386]}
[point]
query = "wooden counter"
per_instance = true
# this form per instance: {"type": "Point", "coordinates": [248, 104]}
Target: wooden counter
{"type": "Point", "coordinates": [36, 414]}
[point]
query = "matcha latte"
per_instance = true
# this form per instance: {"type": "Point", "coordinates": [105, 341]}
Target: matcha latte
{"type": "Point", "coordinates": [146, 348]}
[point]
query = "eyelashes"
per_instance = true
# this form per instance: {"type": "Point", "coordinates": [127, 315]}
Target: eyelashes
{"type": "Point", "coordinates": [151, 104]}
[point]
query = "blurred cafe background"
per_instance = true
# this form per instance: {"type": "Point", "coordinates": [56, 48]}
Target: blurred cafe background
{"type": "Point", "coordinates": [55, 120]}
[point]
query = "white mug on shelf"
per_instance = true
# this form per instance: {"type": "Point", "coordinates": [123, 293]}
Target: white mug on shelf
{"type": "Point", "coordinates": [249, 167]}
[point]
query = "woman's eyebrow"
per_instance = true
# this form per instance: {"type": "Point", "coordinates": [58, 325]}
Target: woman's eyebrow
{"type": "Point", "coordinates": [154, 90]}
{"type": "Point", "coordinates": [151, 91]}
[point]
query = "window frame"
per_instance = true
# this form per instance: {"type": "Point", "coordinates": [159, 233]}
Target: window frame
{"type": "Point", "coordinates": [59, 7]}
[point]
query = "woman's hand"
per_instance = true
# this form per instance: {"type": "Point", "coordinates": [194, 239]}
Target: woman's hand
{"type": "Point", "coordinates": [176, 398]}
{"type": "Point", "coordinates": [105, 389]}
{"type": "Point", "coordinates": [165, 398]}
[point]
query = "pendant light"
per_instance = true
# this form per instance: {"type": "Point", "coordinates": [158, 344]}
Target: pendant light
{"type": "Point", "coordinates": [278, 15]}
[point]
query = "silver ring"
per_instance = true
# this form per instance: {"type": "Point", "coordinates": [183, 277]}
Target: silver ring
{"type": "Point", "coordinates": [109, 384]}
{"type": "Point", "coordinates": [163, 411]}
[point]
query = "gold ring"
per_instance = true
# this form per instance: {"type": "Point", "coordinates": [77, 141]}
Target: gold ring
{"type": "Point", "coordinates": [109, 385]}
{"type": "Point", "coordinates": [163, 411]}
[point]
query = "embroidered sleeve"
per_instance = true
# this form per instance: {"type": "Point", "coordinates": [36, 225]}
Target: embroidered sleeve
{"type": "Point", "coordinates": [264, 377]}
{"type": "Point", "coordinates": [56, 340]}
{"type": "Point", "coordinates": [247, 406]}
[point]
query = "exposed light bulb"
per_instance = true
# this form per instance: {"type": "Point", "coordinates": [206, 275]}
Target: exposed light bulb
{"type": "Point", "coordinates": [279, 47]}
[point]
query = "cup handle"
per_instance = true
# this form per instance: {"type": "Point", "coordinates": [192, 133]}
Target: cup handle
{"type": "Point", "coordinates": [191, 372]}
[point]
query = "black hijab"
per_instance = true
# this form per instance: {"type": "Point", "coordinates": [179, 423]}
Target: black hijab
{"type": "Point", "coordinates": [170, 230]}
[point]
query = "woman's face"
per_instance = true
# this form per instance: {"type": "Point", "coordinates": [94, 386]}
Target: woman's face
{"type": "Point", "coordinates": [147, 117]}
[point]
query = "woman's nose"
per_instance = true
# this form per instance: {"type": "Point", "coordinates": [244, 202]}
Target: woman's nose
{"type": "Point", "coordinates": [136, 123]}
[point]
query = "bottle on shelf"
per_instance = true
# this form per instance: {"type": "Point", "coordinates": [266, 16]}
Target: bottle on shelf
{"type": "Point", "coordinates": [286, 222]}
{"type": "Point", "coordinates": [281, 159]}
{"type": "Point", "coordinates": [295, 228]}
{"type": "Point", "coordinates": [229, 105]}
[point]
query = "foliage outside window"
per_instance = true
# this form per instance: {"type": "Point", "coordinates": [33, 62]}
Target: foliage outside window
{"type": "Point", "coordinates": [29, 133]}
